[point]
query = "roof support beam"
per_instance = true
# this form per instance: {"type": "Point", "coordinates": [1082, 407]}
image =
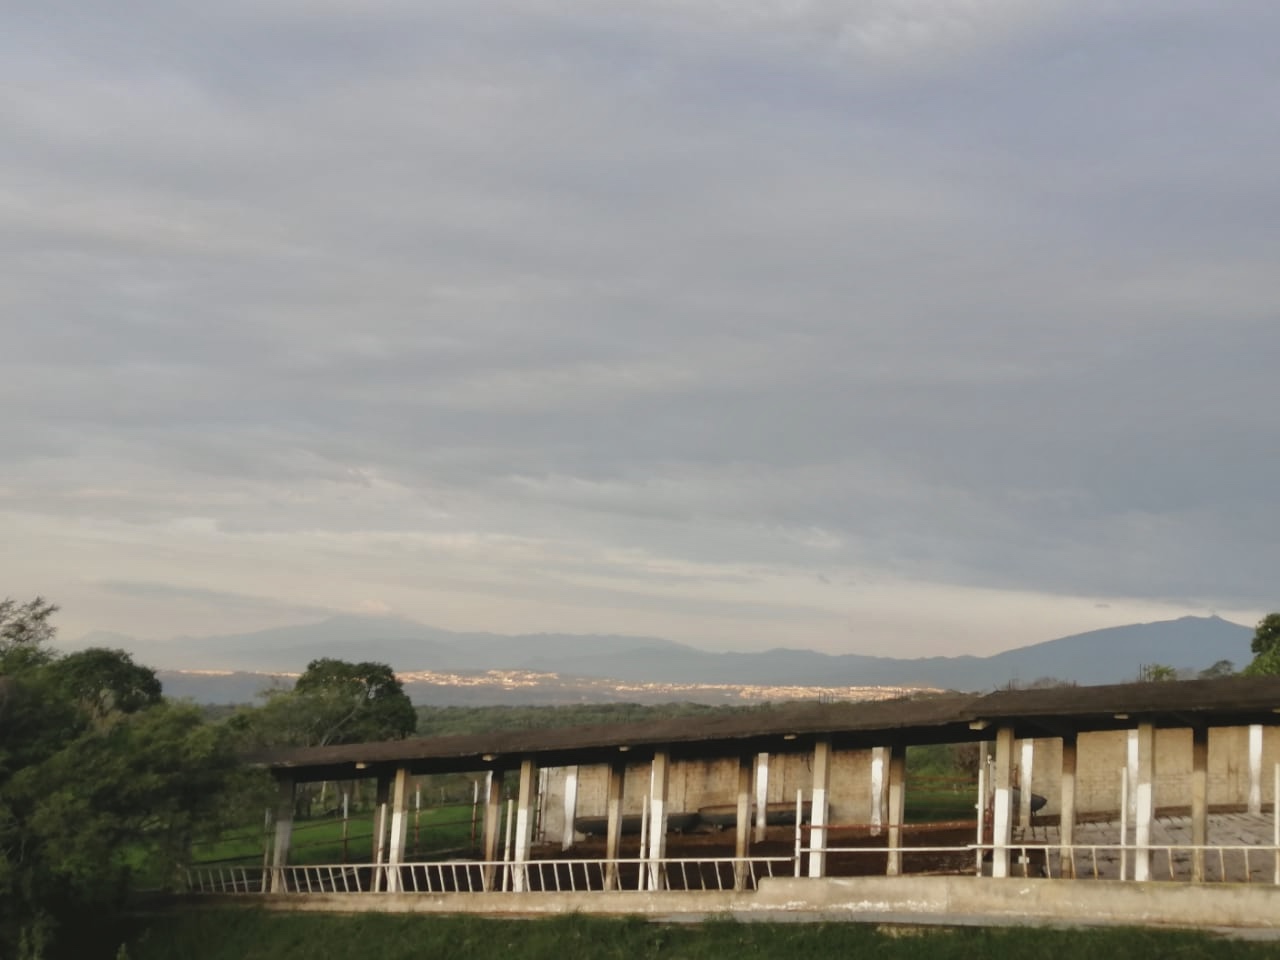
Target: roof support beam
{"type": "Point", "coordinates": [818, 814]}
{"type": "Point", "coordinates": [897, 807]}
{"type": "Point", "coordinates": [1067, 818]}
{"type": "Point", "coordinates": [1199, 798]}
{"type": "Point", "coordinates": [1144, 795]}
{"type": "Point", "coordinates": [1002, 819]}
{"type": "Point", "coordinates": [492, 824]}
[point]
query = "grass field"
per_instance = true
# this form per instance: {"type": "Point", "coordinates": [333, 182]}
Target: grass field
{"type": "Point", "coordinates": [254, 935]}
{"type": "Point", "coordinates": [320, 841]}
{"type": "Point", "coordinates": [449, 828]}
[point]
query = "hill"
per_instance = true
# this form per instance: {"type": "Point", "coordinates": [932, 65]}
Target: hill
{"type": "Point", "coordinates": [585, 665]}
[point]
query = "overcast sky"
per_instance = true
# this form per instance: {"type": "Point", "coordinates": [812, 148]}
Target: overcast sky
{"type": "Point", "coordinates": [878, 326]}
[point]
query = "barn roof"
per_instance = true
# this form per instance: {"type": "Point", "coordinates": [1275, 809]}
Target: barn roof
{"type": "Point", "coordinates": [792, 727]}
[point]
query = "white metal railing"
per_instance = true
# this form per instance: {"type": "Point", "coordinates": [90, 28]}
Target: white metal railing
{"type": "Point", "coordinates": [1226, 863]}
{"type": "Point", "coordinates": [472, 876]}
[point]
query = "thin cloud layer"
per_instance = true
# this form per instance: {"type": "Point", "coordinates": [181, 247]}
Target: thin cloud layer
{"type": "Point", "coordinates": [931, 326]}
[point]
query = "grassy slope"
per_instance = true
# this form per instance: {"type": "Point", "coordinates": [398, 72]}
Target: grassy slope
{"type": "Point", "coordinates": [253, 935]}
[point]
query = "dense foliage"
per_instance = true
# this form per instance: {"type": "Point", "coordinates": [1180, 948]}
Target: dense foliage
{"type": "Point", "coordinates": [1265, 647]}
{"type": "Point", "coordinates": [103, 784]}
{"type": "Point", "coordinates": [334, 701]}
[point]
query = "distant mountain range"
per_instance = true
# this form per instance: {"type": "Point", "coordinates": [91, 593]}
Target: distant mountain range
{"type": "Point", "coordinates": [1100, 656]}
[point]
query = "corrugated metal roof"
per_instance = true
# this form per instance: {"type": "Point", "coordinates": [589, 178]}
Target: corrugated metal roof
{"type": "Point", "coordinates": [793, 726]}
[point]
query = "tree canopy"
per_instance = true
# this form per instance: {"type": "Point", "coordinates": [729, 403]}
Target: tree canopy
{"type": "Point", "coordinates": [334, 701]}
{"type": "Point", "coordinates": [102, 782]}
{"type": "Point", "coordinates": [1265, 647]}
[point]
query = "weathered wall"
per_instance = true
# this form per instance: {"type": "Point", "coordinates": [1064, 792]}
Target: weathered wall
{"type": "Point", "coordinates": [1100, 757]}
{"type": "Point", "coordinates": [699, 783]}
{"type": "Point", "coordinates": [943, 900]}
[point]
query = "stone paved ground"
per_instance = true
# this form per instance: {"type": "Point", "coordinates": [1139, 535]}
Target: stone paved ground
{"type": "Point", "coordinates": [1257, 865]}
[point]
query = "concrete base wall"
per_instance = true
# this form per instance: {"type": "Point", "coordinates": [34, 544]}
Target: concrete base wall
{"type": "Point", "coordinates": [941, 900]}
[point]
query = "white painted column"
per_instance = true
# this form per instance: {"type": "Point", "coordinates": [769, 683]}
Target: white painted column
{"type": "Point", "coordinates": [540, 806]}
{"type": "Point", "coordinates": [1067, 819]}
{"type": "Point", "coordinates": [526, 812]}
{"type": "Point", "coordinates": [818, 817]}
{"type": "Point", "coordinates": [1199, 798]}
{"type": "Point", "coordinates": [1001, 816]}
{"type": "Point", "coordinates": [897, 807]}
{"type": "Point", "coordinates": [1025, 768]}
{"type": "Point", "coordinates": [381, 819]}
{"type": "Point", "coordinates": [742, 823]}
{"type": "Point", "coordinates": [659, 774]}
{"type": "Point", "coordinates": [762, 796]}
{"type": "Point", "coordinates": [570, 807]}
{"type": "Point", "coordinates": [1144, 794]}
{"type": "Point", "coordinates": [1255, 769]}
{"type": "Point", "coordinates": [1132, 759]}
{"type": "Point", "coordinates": [877, 790]}
{"type": "Point", "coordinates": [492, 824]}
{"type": "Point", "coordinates": [285, 789]}
{"type": "Point", "coordinates": [399, 828]}
{"type": "Point", "coordinates": [613, 822]}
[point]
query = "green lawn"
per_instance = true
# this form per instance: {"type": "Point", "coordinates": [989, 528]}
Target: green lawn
{"type": "Point", "coordinates": [934, 799]}
{"type": "Point", "coordinates": [252, 935]}
{"type": "Point", "coordinates": [439, 829]}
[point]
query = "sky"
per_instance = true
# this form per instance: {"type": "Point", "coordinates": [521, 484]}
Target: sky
{"type": "Point", "coordinates": [905, 327]}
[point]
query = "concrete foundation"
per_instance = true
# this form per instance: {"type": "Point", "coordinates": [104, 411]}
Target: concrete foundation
{"type": "Point", "coordinates": [939, 900]}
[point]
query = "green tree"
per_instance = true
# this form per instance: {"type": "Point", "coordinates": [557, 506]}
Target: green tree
{"type": "Point", "coordinates": [102, 784]}
{"type": "Point", "coordinates": [1156, 673]}
{"type": "Point", "coordinates": [25, 628]}
{"type": "Point", "coordinates": [1265, 647]}
{"type": "Point", "coordinates": [1221, 668]}
{"type": "Point", "coordinates": [334, 701]}
{"type": "Point", "coordinates": [106, 681]}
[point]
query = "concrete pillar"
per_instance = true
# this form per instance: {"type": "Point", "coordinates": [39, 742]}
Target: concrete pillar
{"type": "Point", "coordinates": [762, 796]}
{"type": "Point", "coordinates": [1255, 769]}
{"type": "Point", "coordinates": [876, 818]}
{"type": "Point", "coordinates": [399, 828]}
{"type": "Point", "coordinates": [742, 823]}
{"type": "Point", "coordinates": [818, 817]}
{"type": "Point", "coordinates": [1132, 760]}
{"type": "Point", "coordinates": [1199, 798]}
{"type": "Point", "coordinates": [526, 815]}
{"type": "Point", "coordinates": [1145, 801]}
{"type": "Point", "coordinates": [897, 807]}
{"type": "Point", "coordinates": [613, 819]}
{"type": "Point", "coordinates": [659, 774]}
{"type": "Point", "coordinates": [1025, 768]}
{"type": "Point", "coordinates": [1067, 820]}
{"type": "Point", "coordinates": [381, 820]}
{"type": "Point", "coordinates": [285, 789]}
{"type": "Point", "coordinates": [492, 825]}
{"type": "Point", "coordinates": [1001, 816]}
{"type": "Point", "coordinates": [570, 807]}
